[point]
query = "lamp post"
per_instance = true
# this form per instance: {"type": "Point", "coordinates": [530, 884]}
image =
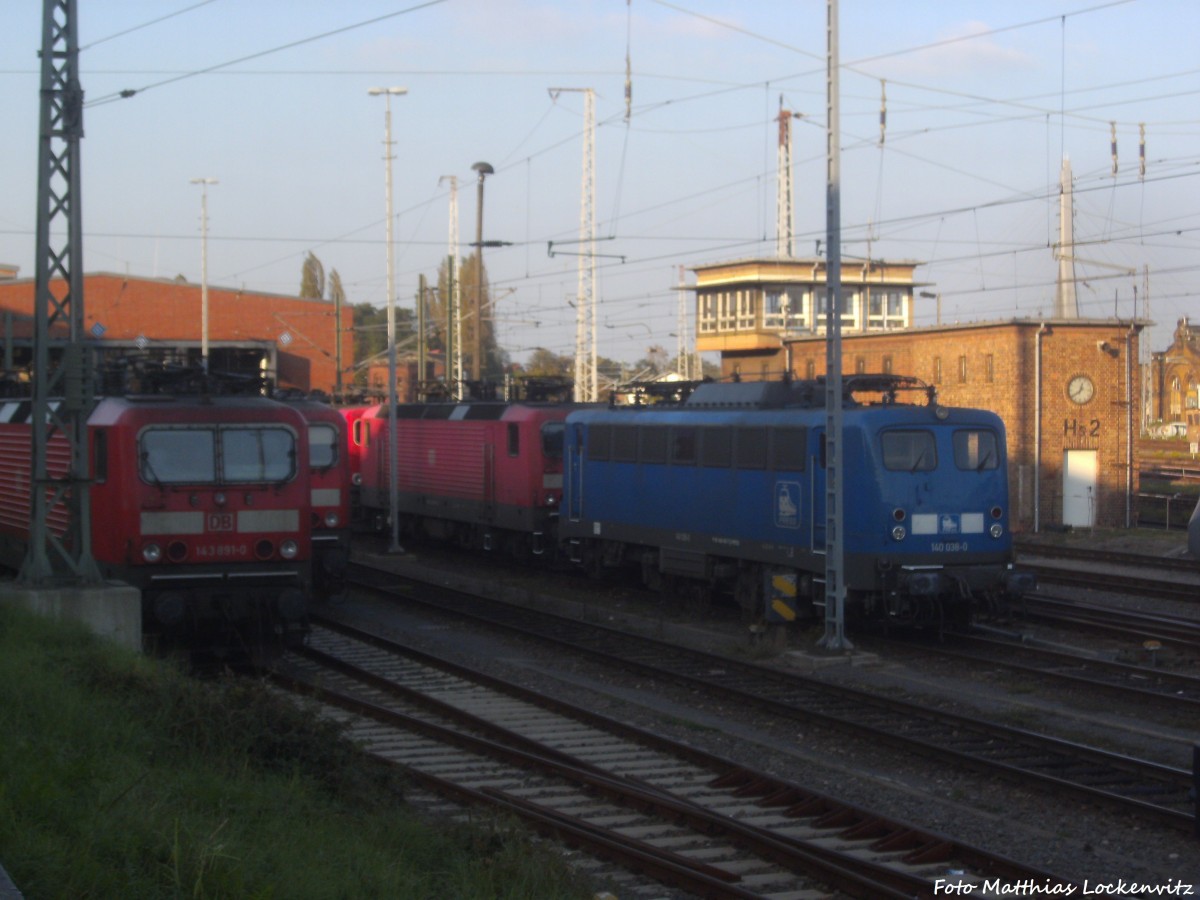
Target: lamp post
{"type": "Point", "coordinates": [204, 183]}
{"type": "Point", "coordinates": [938, 296]}
{"type": "Point", "coordinates": [483, 169]}
{"type": "Point", "coordinates": [393, 487]}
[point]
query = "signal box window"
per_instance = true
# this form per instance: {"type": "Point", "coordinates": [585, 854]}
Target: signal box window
{"type": "Point", "coordinates": [976, 450]}
{"type": "Point", "coordinates": [909, 451]}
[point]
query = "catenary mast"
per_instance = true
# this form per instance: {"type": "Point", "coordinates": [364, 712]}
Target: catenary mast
{"type": "Point", "coordinates": [58, 301]}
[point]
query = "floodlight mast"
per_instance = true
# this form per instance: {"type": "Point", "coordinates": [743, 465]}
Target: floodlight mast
{"type": "Point", "coordinates": [394, 487]}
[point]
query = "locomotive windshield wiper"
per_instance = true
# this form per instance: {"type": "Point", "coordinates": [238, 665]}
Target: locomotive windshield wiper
{"type": "Point", "coordinates": [148, 468]}
{"type": "Point", "coordinates": [920, 459]}
{"type": "Point", "coordinates": [987, 458]}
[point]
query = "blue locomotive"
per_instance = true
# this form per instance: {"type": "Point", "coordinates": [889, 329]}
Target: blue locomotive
{"type": "Point", "coordinates": [725, 492]}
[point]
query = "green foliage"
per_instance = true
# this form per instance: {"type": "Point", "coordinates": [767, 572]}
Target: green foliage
{"type": "Point", "coordinates": [121, 777]}
{"type": "Point", "coordinates": [312, 278]}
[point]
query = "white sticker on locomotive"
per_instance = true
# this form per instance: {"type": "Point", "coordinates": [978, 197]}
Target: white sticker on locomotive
{"type": "Point", "coordinates": [191, 522]}
{"type": "Point", "coordinates": [947, 523]}
{"type": "Point", "coordinates": [972, 523]}
{"type": "Point", "coordinates": [787, 504]}
{"type": "Point", "coordinates": [261, 520]}
{"type": "Point", "coordinates": [924, 523]}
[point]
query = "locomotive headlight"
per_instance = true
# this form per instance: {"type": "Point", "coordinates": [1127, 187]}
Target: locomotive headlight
{"type": "Point", "coordinates": [331, 520]}
{"type": "Point", "coordinates": [899, 533]}
{"type": "Point", "coordinates": [288, 550]}
{"type": "Point", "coordinates": [996, 530]}
{"type": "Point", "coordinates": [551, 500]}
{"type": "Point", "coordinates": [219, 498]}
{"type": "Point", "coordinates": [152, 553]}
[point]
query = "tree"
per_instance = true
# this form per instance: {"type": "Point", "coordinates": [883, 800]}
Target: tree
{"type": "Point", "coordinates": [312, 278]}
{"type": "Point", "coordinates": [370, 331]}
{"type": "Point", "coordinates": [466, 273]}
{"type": "Point", "coordinates": [543, 362]}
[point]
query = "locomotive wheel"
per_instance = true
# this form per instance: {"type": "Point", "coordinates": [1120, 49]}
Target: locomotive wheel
{"type": "Point", "coordinates": [593, 560]}
{"type": "Point", "coordinates": [652, 576]}
{"type": "Point", "coordinates": [747, 591]}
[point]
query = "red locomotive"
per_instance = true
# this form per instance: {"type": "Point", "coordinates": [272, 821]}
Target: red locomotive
{"type": "Point", "coordinates": [484, 474]}
{"type": "Point", "coordinates": [330, 483]}
{"type": "Point", "coordinates": [201, 502]}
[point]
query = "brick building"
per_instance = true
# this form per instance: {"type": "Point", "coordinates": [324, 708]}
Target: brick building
{"type": "Point", "coordinates": [292, 339]}
{"type": "Point", "coordinates": [1174, 377]}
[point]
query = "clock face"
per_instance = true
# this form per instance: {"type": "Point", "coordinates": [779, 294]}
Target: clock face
{"type": "Point", "coordinates": [1080, 389]}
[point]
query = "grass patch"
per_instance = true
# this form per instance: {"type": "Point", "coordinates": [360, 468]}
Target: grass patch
{"type": "Point", "coordinates": [122, 777]}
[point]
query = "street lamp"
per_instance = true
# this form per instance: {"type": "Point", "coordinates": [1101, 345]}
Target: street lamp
{"type": "Point", "coordinates": [927, 295]}
{"type": "Point", "coordinates": [394, 487]}
{"type": "Point", "coordinates": [483, 169]}
{"type": "Point", "coordinates": [204, 183]}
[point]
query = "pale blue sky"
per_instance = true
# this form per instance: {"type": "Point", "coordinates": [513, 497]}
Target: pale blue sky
{"type": "Point", "coordinates": [982, 100]}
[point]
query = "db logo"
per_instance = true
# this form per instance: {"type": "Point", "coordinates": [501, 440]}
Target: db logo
{"type": "Point", "coordinates": [221, 521]}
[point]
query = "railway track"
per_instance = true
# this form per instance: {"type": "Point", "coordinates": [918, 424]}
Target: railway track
{"type": "Point", "coordinates": [690, 819]}
{"type": "Point", "coordinates": [1032, 549]}
{"type": "Point", "coordinates": [1101, 570]}
{"type": "Point", "coordinates": [1126, 623]}
{"type": "Point", "coordinates": [1172, 690]}
{"type": "Point", "coordinates": [1152, 792]}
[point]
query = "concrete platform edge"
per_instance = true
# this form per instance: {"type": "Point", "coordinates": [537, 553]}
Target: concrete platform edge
{"type": "Point", "coordinates": [113, 610]}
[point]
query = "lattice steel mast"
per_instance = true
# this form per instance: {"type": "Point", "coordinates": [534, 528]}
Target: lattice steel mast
{"type": "Point", "coordinates": [586, 384]}
{"type": "Point", "coordinates": [58, 301]}
{"type": "Point", "coordinates": [454, 360]}
{"type": "Point", "coordinates": [835, 517]}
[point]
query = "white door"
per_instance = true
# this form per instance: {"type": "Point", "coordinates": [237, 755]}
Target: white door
{"type": "Point", "coordinates": [1079, 488]}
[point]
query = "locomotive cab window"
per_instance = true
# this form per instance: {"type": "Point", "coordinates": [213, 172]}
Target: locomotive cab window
{"type": "Point", "coordinates": [599, 442]}
{"type": "Point", "coordinates": [514, 439]}
{"type": "Point", "coordinates": [553, 437]}
{"type": "Point", "coordinates": [178, 456]}
{"type": "Point", "coordinates": [976, 450]}
{"type": "Point", "coordinates": [257, 454]}
{"type": "Point", "coordinates": [322, 446]}
{"type": "Point", "coordinates": [909, 451]}
{"type": "Point", "coordinates": [100, 456]}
